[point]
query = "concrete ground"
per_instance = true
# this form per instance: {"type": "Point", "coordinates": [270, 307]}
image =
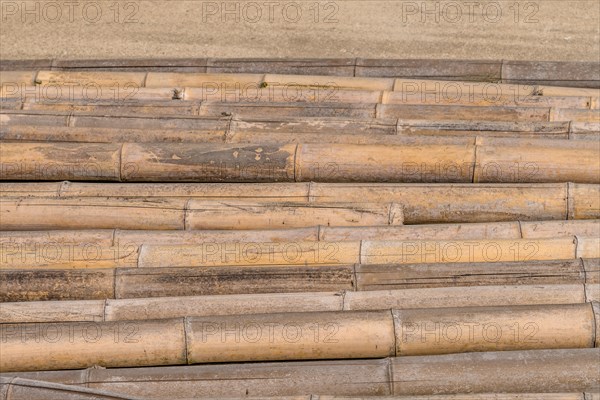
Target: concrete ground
{"type": "Point", "coordinates": [507, 29]}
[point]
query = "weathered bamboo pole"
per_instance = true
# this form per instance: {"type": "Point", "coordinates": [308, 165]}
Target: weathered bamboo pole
{"type": "Point", "coordinates": [81, 345]}
{"type": "Point", "coordinates": [179, 214]}
{"type": "Point", "coordinates": [407, 135]}
{"type": "Point", "coordinates": [428, 275]}
{"type": "Point", "coordinates": [514, 372]}
{"type": "Point", "coordinates": [202, 214]}
{"type": "Point", "coordinates": [243, 304]}
{"type": "Point", "coordinates": [36, 284]}
{"type": "Point", "coordinates": [584, 200]}
{"type": "Point", "coordinates": [108, 134]}
{"type": "Point", "coordinates": [421, 203]}
{"type": "Point", "coordinates": [66, 256]}
{"type": "Point", "coordinates": [296, 336]}
{"type": "Point", "coordinates": [25, 389]}
{"type": "Point", "coordinates": [499, 160]}
{"type": "Point", "coordinates": [533, 371]}
{"type": "Point", "coordinates": [442, 331]}
{"type": "Point", "coordinates": [492, 161]}
{"type": "Point", "coordinates": [364, 252]}
{"type": "Point", "coordinates": [592, 279]}
{"type": "Point", "coordinates": [212, 254]}
{"type": "Point", "coordinates": [124, 283]}
{"type": "Point", "coordinates": [56, 96]}
{"type": "Point", "coordinates": [40, 390]}
{"type": "Point", "coordinates": [531, 229]}
{"type": "Point", "coordinates": [457, 89]}
{"type": "Point", "coordinates": [90, 213]}
{"type": "Point", "coordinates": [462, 112]}
{"type": "Point", "coordinates": [325, 126]}
{"type": "Point", "coordinates": [577, 74]}
{"type": "Point", "coordinates": [521, 129]}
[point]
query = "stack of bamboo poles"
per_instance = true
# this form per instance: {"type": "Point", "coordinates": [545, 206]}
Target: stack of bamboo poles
{"type": "Point", "coordinates": [299, 229]}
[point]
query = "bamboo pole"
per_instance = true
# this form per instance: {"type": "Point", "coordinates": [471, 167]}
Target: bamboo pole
{"type": "Point", "coordinates": [424, 251]}
{"type": "Point", "coordinates": [92, 78]}
{"type": "Point", "coordinates": [428, 275]}
{"type": "Point", "coordinates": [466, 329]}
{"type": "Point", "coordinates": [584, 200]}
{"type": "Point", "coordinates": [514, 372]}
{"type": "Point", "coordinates": [531, 229]}
{"type": "Point", "coordinates": [407, 135]}
{"type": "Point", "coordinates": [592, 274]}
{"type": "Point", "coordinates": [22, 389]}
{"type": "Point", "coordinates": [35, 285]}
{"type": "Point", "coordinates": [461, 112]}
{"type": "Point", "coordinates": [496, 230]}
{"type": "Point", "coordinates": [81, 345]}
{"type": "Point", "coordinates": [261, 303]}
{"type": "Point", "coordinates": [499, 160]}
{"type": "Point", "coordinates": [50, 256]}
{"type": "Point", "coordinates": [90, 213]}
{"type": "Point", "coordinates": [179, 214]}
{"type": "Point", "coordinates": [533, 371]}
{"type": "Point", "coordinates": [54, 161]}
{"type": "Point", "coordinates": [421, 203]}
{"type": "Point", "coordinates": [295, 336]}
{"type": "Point", "coordinates": [202, 214]}
{"type": "Point", "coordinates": [125, 283]}
{"type": "Point", "coordinates": [454, 88]}
{"type": "Point", "coordinates": [217, 163]}
{"type": "Point", "coordinates": [493, 161]}
{"type": "Point", "coordinates": [108, 134]}
{"type": "Point", "coordinates": [212, 254]}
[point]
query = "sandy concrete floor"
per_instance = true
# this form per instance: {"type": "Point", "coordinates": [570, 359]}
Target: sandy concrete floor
{"type": "Point", "coordinates": [507, 29]}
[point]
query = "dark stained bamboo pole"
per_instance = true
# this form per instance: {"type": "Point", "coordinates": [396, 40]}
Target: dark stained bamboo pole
{"type": "Point", "coordinates": [125, 283]}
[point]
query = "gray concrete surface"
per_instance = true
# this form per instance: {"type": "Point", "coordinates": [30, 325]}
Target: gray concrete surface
{"type": "Point", "coordinates": [508, 29]}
